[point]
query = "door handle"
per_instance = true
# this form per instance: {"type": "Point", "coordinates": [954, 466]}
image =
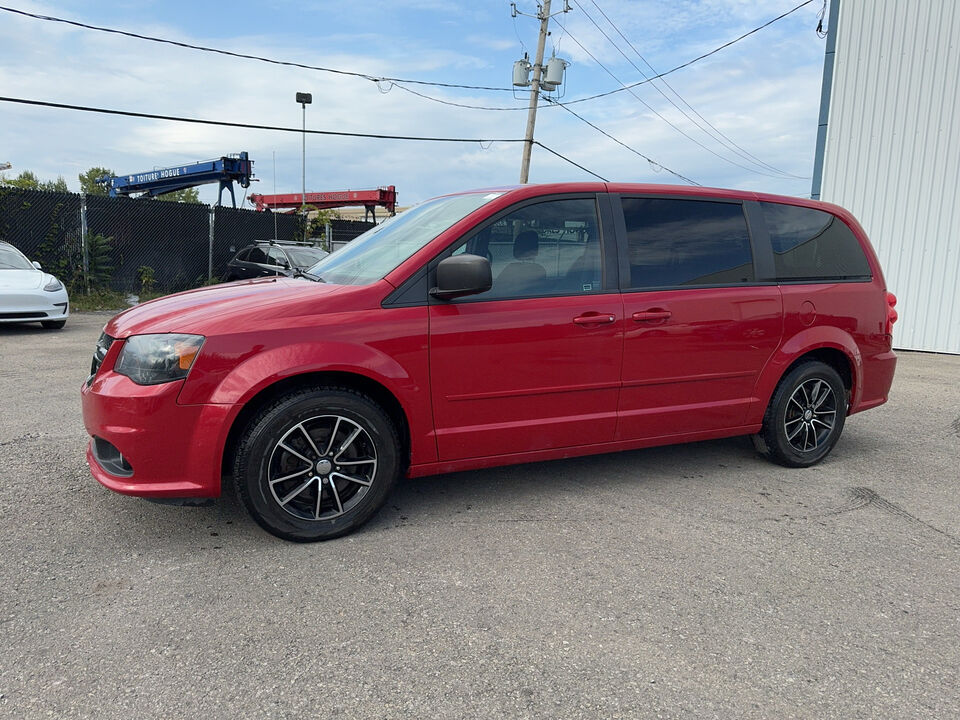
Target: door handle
{"type": "Point", "coordinates": [652, 315]}
{"type": "Point", "coordinates": [594, 319]}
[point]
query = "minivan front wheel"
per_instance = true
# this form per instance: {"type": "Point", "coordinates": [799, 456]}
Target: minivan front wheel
{"type": "Point", "coordinates": [317, 463]}
{"type": "Point", "coordinates": [805, 416]}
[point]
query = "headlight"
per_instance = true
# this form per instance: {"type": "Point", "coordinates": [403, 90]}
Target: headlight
{"type": "Point", "coordinates": [155, 359]}
{"type": "Point", "coordinates": [53, 285]}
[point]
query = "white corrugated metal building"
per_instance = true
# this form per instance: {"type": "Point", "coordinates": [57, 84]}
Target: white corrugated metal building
{"type": "Point", "coordinates": [889, 150]}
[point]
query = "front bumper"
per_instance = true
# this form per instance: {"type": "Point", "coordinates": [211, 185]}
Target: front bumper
{"type": "Point", "coordinates": [173, 451]}
{"type": "Point", "coordinates": [33, 306]}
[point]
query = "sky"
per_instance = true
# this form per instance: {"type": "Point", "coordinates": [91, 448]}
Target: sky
{"type": "Point", "coordinates": [746, 117]}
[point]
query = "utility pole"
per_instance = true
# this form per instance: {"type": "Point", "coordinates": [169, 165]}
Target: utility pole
{"type": "Point", "coordinates": [544, 15]}
{"type": "Point", "coordinates": [304, 99]}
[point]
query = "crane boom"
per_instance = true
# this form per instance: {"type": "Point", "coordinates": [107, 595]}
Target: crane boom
{"type": "Point", "coordinates": [225, 170]}
{"type": "Point", "coordinates": [385, 197]}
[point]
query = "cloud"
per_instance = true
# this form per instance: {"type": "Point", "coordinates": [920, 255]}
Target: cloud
{"type": "Point", "coordinates": [763, 95]}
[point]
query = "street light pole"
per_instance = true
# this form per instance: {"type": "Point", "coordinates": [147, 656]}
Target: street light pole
{"type": "Point", "coordinates": [305, 99]}
{"type": "Point", "coordinates": [534, 93]}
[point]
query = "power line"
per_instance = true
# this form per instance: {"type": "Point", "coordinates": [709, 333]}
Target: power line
{"type": "Point", "coordinates": [250, 126]}
{"type": "Point", "coordinates": [278, 128]}
{"type": "Point", "coordinates": [395, 81]}
{"type": "Point", "coordinates": [622, 88]}
{"type": "Point", "coordinates": [451, 103]}
{"type": "Point", "coordinates": [230, 53]}
{"type": "Point", "coordinates": [689, 62]}
{"type": "Point", "coordinates": [600, 130]}
{"type": "Point", "coordinates": [563, 157]}
{"type": "Point", "coordinates": [716, 135]}
{"type": "Point", "coordinates": [654, 111]}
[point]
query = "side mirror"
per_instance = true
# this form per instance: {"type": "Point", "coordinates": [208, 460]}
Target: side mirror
{"type": "Point", "coordinates": [37, 265]}
{"type": "Point", "coordinates": [461, 275]}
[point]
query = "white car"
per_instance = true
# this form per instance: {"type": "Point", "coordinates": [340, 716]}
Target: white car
{"type": "Point", "coordinates": [27, 294]}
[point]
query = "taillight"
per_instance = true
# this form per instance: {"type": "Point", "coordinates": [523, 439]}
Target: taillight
{"type": "Point", "coordinates": [891, 312]}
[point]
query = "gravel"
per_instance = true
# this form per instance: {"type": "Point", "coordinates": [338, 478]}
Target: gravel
{"type": "Point", "coordinates": [694, 581]}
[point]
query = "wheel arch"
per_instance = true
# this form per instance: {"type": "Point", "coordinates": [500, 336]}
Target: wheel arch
{"type": "Point", "coordinates": [375, 390]}
{"type": "Point", "coordinates": [830, 346]}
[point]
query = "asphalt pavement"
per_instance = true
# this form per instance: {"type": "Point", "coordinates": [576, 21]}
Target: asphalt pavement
{"type": "Point", "coordinates": [695, 581]}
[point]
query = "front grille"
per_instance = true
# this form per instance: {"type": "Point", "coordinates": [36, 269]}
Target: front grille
{"type": "Point", "coordinates": [22, 315]}
{"type": "Point", "coordinates": [99, 353]}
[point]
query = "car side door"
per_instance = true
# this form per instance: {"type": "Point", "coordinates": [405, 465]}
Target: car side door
{"type": "Point", "coordinates": [533, 363]}
{"type": "Point", "coordinates": [701, 316]}
{"type": "Point", "coordinates": [257, 263]}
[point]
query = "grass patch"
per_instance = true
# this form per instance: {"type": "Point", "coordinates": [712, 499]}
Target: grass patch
{"type": "Point", "coordinates": [98, 300]}
{"type": "Point", "coordinates": [108, 300]}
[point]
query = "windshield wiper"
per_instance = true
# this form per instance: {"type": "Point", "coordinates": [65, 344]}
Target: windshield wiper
{"type": "Point", "coordinates": [297, 273]}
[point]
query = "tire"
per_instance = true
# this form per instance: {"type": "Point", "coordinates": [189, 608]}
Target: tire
{"type": "Point", "coordinates": [52, 324]}
{"type": "Point", "coordinates": [328, 437]}
{"type": "Point", "coordinates": [805, 417]}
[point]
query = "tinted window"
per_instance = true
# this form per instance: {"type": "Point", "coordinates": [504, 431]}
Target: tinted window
{"type": "Point", "coordinates": [257, 255]}
{"type": "Point", "coordinates": [550, 248]}
{"type": "Point", "coordinates": [812, 244]}
{"type": "Point", "coordinates": [686, 242]}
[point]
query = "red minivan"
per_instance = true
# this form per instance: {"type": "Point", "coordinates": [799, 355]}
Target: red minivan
{"type": "Point", "coordinates": [493, 327]}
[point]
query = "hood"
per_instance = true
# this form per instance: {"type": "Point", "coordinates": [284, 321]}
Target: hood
{"type": "Point", "coordinates": [22, 279]}
{"type": "Point", "coordinates": [217, 308]}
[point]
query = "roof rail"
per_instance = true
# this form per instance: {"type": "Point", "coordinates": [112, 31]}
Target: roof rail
{"type": "Point", "coordinates": [304, 243]}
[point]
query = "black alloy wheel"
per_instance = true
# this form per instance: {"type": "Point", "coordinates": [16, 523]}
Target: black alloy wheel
{"type": "Point", "coordinates": [317, 463]}
{"type": "Point", "coordinates": [805, 417]}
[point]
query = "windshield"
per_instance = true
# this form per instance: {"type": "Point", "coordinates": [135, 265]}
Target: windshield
{"type": "Point", "coordinates": [12, 259]}
{"type": "Point", "coordinates": [305, 257]}
{"type": "Point", "coordinates": [382, 248]}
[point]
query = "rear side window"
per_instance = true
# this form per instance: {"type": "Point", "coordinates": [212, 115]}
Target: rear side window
{"type": "Point", "coordinates": [686, 242]}
{"type": "Point", "coordinates": [812, 244]}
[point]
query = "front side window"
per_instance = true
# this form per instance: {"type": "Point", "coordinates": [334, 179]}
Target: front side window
{"type": "Point", "coordinates": [811, 244]}
{"type": "Point", "coordinates": [381, 249]}
{"type": "Point", "coordinates": [548, 248]}
{"type": "Point", "coordinates": [673, 243]}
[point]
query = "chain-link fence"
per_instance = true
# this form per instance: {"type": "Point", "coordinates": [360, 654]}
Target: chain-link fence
{"type": "Point", "coordinates": [234, 229]}
{"type": "Point", "coordinates": [343, 231]}
{"type": "Point", "coordinates": [45, 226]}
{"type": "Point", "coordinates": [133, 245]}
{"type": "Point", "coordinates": [130, 245]}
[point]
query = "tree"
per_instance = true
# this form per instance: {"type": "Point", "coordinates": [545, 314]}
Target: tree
{"type": "Point", "coordinates": [317, 226]}
{"type": "Point", "coordinates": [89, 184]}
{"type": "Point", "coordinates": [58, 185]}
{"type": "Point", "coordinates": [29, 181]}
{"type": "Point", "coordinates": [187, 195]}
{"type": "Point", "coordinates": [25, 179]}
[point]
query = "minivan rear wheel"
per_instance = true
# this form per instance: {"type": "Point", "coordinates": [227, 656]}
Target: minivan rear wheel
{"type": "Point", "coordinates": [317, 463]}
{"type": "Point", "coordinates": [805, 416]}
